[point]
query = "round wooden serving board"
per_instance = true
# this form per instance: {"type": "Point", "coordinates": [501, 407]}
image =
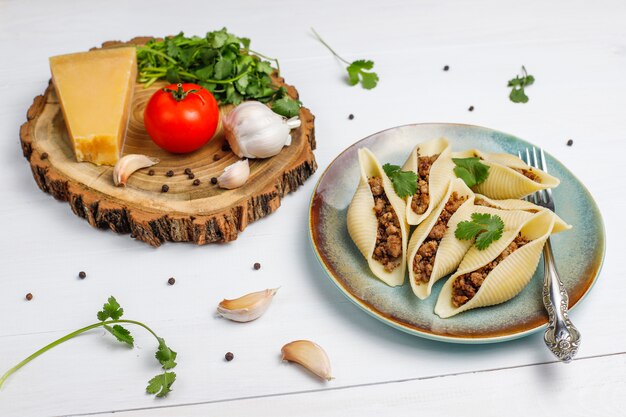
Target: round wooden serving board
{"type": "Point", "coordinates": [186, 213]}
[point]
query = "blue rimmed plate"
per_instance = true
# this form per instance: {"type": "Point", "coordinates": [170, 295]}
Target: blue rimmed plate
{"type": "Point", "coordinates": [579, 252]}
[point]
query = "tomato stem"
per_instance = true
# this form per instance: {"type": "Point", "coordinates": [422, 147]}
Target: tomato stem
{"type": "Point", "coordinates": [180, 94]}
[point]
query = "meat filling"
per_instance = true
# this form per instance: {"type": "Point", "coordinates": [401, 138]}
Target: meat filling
{"type": "Point", "coordinates": [421, 198]}
{"type": "Point", "coordinates": [388, 249]}
{"type": "Point", "coordinates": [484, 203]}
{"type": "Point", "coordinates": [465, 286]}
{"type": "Point", "coordinates": [424, 259]}
{"type": "Point", "coordinates": [528, 174]}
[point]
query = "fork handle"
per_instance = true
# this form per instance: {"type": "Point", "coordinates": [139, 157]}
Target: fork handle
{"type": "Point", "coordinates": [561, 337]}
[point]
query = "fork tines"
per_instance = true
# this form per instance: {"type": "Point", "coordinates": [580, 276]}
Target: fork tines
{"type": "Point", "coordinates": [541, 197]}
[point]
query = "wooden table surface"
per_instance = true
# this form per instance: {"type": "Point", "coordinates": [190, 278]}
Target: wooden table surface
{"type": "Point", "coordinates": [575, 49]}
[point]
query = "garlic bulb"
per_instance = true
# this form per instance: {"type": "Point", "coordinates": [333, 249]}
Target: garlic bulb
{"type": "Point", "coordinates": [235, 175]}
{"type": "Point", "coordinates": [310, 355]}
{"type": "Point", "coordinates": [248, 307]}
{"type": "Point", "coordinates": [253, 130]}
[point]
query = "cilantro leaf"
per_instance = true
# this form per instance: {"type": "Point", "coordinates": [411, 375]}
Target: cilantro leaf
{"type": "Point", "coordinates": [161, 384]}
{"type": "Point", "coordinates": [471, 170]}
{"type": "Point", "coordinates": [165, 355]}
{"type": "Point", "coordinates": [122, 334]}
{"type": "Point", "coordinates": [517, 84]}
{"type": "Point", "coordinates": [404, 182]}
{"type": "Point", "coordinates": [286, 106]}
{"type": "Point", "coordinates": [359, 69]}
{"type": "Point", "coordinates": [484, 227]}
{"type": "Point", "coordinates": [111, 309]}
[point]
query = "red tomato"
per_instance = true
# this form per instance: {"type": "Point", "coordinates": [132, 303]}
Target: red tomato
{"type": "Point", "coordinates": [181, 118]}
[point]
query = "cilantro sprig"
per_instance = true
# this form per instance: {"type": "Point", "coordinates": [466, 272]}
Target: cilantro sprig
{"type": "Point", "coordinates": [404, 182]}
{"type": "Point", "coordinates": [471, 170]}
{"type": "Point", "coordinates": [359, 71]}
{"type": "Point", "coordinates": [110, 318]}
{"type": "Point", "coordinates": [221, 62]}
{"type": "Point", "coordinates": [484, 227]}
{"type": "Point", "coordinates": [517, 84]}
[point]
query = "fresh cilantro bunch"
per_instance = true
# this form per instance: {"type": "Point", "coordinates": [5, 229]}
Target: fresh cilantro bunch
{"type": "Point", "coordinates": [359, 71]}
{"type": "Point", "coordinates": [470, 170]}
{"type": "Point", "coordinates": [110, 318]}
{"type": "Point", "coordinates": [517, 84]}
{"type": "Point", "coordinates": [484, 227]}
{"type": "Point", "coordinates": [404, 182]}
{"type": "Point", "coordinates": [220, 62]}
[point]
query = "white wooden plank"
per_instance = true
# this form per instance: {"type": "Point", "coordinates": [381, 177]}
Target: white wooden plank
{"type": "Point", "coordinates": [590, 387]}
{"type": "Point", "coordinates": [577, 55]}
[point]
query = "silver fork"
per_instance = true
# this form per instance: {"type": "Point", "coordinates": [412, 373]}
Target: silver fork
{"type": "Point", "coordinates": [561, 337]}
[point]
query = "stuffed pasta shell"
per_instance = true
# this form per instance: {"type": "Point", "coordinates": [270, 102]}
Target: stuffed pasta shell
{"type": "Point", "coordinates": [512, 204]}
{"type": "Point", "coordinates": [433, 251]}
{"type": "Point", "coordinates": [501, 271]}
{"type": "Point", "coordinates": [433, 166]}
{"type": "Point", "coordinates": [377, 221]}
{"type": "Point", "coordinates": [509, 177]}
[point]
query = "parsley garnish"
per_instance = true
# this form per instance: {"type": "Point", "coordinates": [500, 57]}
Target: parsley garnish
{"type": "Point", "coordinates": [358, 71]}
{"type": "Point", "coordinates": [471, 170]}
{"type": "Point", "coordinates": [518, 84]}
{"type": "Point", "coordinates": [110, 318]}
{"type": "Point", "coordinates": [404, 182]}
{"type": "Point", "coordinates": [221, 62]}
{"type": "Point", "coordinates": [484, 227]}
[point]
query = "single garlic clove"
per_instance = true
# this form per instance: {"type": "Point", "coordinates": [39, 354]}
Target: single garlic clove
{"type": "Point", "coordinates": [129, 164]}
{"type": "Point", "coordinates": [248, 307]}
{"type": "Point", "coordinates": [310, 355]}
{"type": "Point", "coordinates": [234, 175]}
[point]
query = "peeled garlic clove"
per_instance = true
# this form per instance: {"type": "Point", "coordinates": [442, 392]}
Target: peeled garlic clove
{"type": "Point", "coordinates": [310, 355]}
{"type": "Point", "coordinates": [129, 164]}
{"type": "Point", "coordinates": [248, 307]}
{"type": "Point", "coordinates": [234, 175]}
{"type": "Point", "coordinates": [253, 130]}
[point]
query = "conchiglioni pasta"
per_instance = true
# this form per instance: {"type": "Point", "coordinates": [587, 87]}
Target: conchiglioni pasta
{"type": "Point", "coordinates": [512, 204]}
{"type": "Point", "coordinates": [377, 222]}
{"type": "Point", "coordinates": [432, 163]}
{"type": "Point", "coordinates": [509, 263]}
{"type": "Point", "coordinates": [509, 177]}
{"type": "Point", "coordinates": [433, 251]}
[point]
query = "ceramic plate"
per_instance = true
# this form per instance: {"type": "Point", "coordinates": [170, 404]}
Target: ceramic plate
{"type": "Point", "coordinates": [579, 252]}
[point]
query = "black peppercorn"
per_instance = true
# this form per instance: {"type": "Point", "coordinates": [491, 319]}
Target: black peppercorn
{"type": "Point", "coordinates": [216, 157]}
{"type": "Point", "coordinates": [196, 182]}
{"type": "Point", "coordinates": [188, 171]}
{"type": "Point", "coordinates": [229, 356]}
{"type": "Point", "coordinates": [446, 68]}
{"type": "Point", "coordinates": [151, 172]}
{"type": "Point", "coordinates": [350, 116]}
{"type": "Point", "coordinates": [169, 173]}
{"type": "Point", "coordinates": [29, 296]}
{"type": "Point", "coordinates": [82, 275]}
{"type": "Point", "coordinates": [171, 281]}
{"type": "Point", "coordinates": [225, 147]}
{"type": "Point", "coordinates": [257, 266]}
{"type": "Point", "coordinates": [165, 188]}
{"type": "Point", "coordinates": [471, 108]}
{"type": "Point", "coordinates": [570, 142]}
{"type": "Point", "coordinates": [44, 155]}
{"type": "Point", "coordinates": [191, 176]}
{"type": "Point", "coordinates": [213, 180]}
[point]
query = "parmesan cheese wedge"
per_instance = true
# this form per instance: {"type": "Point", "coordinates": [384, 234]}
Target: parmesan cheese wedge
{"type": "Point", "coordinates": [95, 90]}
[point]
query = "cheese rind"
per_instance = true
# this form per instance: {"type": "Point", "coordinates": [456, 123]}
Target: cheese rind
{"type": "Point", "coordinates": [95, 90]}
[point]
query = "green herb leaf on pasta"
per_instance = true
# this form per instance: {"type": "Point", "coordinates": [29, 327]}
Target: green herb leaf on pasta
{"type": "Point", "coordinates": [484, 227]}
{"type": "Point", "coordinates": [471, 170]}
{"type": "Point", "coordinates": [404, 182]}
